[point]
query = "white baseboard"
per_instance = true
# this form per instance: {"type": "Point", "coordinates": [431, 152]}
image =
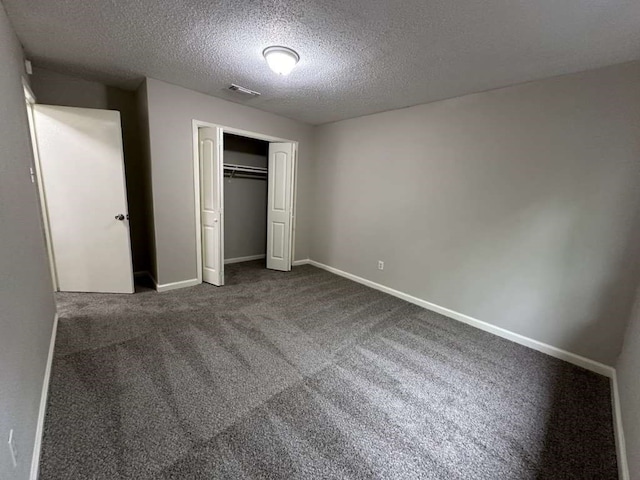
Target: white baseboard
{"type": "Point", "coordinates": [573, 358]}
{"type": "Point", "coordinates": [35, 459]}
{"type": "Point", "coordinates": [621, 447]}
{"type": "Point", "coordinates": [592, 365]}
{"type": "Point", "coordinates": [175, 285]}
{"type": "Point", "coordinates": [153, 280]}
{"type": "Point", "coordinates": [244, 259]}
{"type": "Point", "coordinates": [597, 367]}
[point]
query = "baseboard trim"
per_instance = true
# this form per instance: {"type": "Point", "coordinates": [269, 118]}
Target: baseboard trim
{"type": "Point", "coordinates": [37, 446]}
{"type": "Point", "coordinates": [573, 358]}
{"type": "Point", "coordinates": [244, 259]}
{"type": "Point", "coordinates": [621, 446]}
{"type": "Point", "coordinates": [297, 263]}
{"type": "Point", "coordinates": [175, 285]}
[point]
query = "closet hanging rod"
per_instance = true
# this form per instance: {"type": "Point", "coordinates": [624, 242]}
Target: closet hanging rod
{"type": "Point", "coordinates": [244, 168]}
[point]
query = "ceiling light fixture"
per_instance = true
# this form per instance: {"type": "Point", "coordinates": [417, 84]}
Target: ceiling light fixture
{"type": "Point", "coordinates": [281, 59]}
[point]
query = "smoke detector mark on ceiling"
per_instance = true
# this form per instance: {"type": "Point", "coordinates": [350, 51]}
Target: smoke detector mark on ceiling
{"type": "Point", "coordinates": [243, 91]}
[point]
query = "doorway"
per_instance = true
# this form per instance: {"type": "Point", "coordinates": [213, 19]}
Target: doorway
{"type": "Point", "coordinates": [79, 171]}
{"type": "Point", "coordinates": [245, 168]}
{"type": "Point", "coordinates": [36, 175]}
{"type": "Point", "coordinates": [264, 171]}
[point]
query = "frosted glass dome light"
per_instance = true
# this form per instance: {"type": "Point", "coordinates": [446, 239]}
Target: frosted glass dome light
{"type": "Point", "coordinates": [281, 59]}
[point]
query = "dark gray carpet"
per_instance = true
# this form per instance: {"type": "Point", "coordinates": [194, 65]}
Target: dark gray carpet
{"type": "Point", "coordinates": [306, 375]}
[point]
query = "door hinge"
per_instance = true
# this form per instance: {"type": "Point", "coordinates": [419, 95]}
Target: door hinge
{"type": "Point", "coordinates": [32, 174]}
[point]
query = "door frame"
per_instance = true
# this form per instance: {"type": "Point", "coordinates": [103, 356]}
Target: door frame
{"type": "Point", "coordinates": [30, 101]}
{"type": "Point", "coordinates": [195, 124]}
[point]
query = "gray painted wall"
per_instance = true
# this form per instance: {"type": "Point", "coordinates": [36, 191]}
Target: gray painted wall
{"type": "Point", "coordinates": [54, 88]}
{"type": "Point", "coordinates": [171, 112]}
{"type": "Point", "coordinates": [628, 372]}
{"type": "Point", "coordinates": [142, 115]}
{"type": "Point", "coordinates": [245, 200]}
{"type": "Point", "coordinates": [517, 206]}
{"type": "Point", "coordinates": [28, 309]}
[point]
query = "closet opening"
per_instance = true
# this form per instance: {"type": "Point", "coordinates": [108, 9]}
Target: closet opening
{"type": "Point", "coordinates": [244, 191]}
{"type": "Point", "coordinates": [245, 168]}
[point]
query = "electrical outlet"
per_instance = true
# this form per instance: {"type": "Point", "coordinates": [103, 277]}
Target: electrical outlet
{"type": "Point", "coordinates": [380, 265]}
{"type": "Point", "coordinates": [12, 449]}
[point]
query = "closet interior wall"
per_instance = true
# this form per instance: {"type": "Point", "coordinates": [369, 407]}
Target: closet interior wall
{"type": "Point", "coordinates": [245, 199]}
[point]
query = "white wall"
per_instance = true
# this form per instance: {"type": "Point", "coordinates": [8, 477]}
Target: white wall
{"type": "Point", "coordinates": [171, 111]}
{"type": "Point", "coordinates": [26, 298]}
{"type": "Point", "coordinates": [517, 206]}
{"type": "Point", "coordinates": [628, 372]}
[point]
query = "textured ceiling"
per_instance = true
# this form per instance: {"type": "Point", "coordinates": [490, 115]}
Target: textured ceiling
{"type": "Point", "coordinates": [357, 56]}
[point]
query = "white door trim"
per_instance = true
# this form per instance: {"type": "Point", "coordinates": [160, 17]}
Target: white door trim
{"type": "Point", "coordinates": [28, 93]}
{"type": "Point", "coordinates": [195, 124]}
{"type": "Point", "coordinates": [30, 100]}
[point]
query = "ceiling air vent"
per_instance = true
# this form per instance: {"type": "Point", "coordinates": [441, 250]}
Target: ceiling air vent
{"type": "Point", "coordinates": [243, 90]}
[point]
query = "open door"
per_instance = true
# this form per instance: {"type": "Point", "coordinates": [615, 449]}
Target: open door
{"type": "Point", "coordinates": [82, 178]}
{"type": "Point", "coordinates": [211, 176]}
{"type": "Point", "coordinates": [279, 206]}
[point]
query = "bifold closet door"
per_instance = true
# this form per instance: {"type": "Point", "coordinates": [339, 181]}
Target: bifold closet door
{"type": "Point", "coordinates": [279, 206]}
{"type": "Point", "coordinates": [211, 176]}
{"type": "Point", "coordinates": [82, 177]}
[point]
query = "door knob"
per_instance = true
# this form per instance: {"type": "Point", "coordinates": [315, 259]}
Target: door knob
{"type": "Point", "coordinates": [120, 217]}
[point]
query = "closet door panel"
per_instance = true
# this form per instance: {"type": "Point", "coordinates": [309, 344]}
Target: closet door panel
{"type": "Point", "coordinates": [210, 146]}
{"type": "Point", "coordinates": [279, 209]}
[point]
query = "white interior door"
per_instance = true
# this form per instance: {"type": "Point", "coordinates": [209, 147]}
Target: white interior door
{"type": "Point", "coordinates": [279, 206]}
{"type": "Point", "coordinates": [211, 198]}
{"type": "Point", "coordinates": [82, 175]}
